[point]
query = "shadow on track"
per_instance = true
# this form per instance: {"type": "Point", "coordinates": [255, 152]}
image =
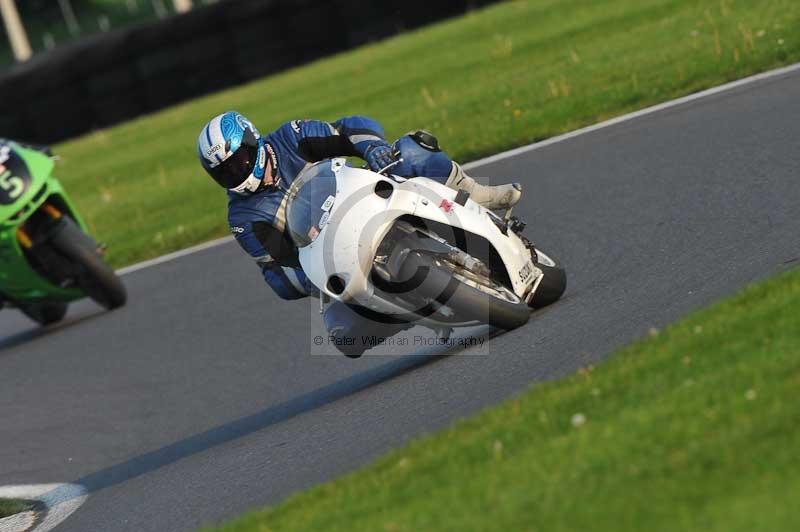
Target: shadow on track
{"type": "Point", "coordinates": [238, 428]}
{"type": "Point", "coordinates": [38, 331]}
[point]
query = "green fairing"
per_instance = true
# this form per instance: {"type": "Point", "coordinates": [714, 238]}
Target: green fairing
{"type": "Point", "coordinates": [18, 281]}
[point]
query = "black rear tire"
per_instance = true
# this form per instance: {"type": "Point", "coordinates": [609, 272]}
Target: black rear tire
{"type": "Point", "coordinates": [466, 301]}
{"type": "Point", "coordinates": [98, 279]}
{"type": "Point", "coordinates": [44, 313]}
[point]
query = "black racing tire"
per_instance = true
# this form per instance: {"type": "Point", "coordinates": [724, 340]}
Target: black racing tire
{"type": "Point", "coordinates": [551, 287]}
{"type": "Point", "coordinates": [44, 313]}
{"type": "Point", "coordinates": [436, 281]}
{"type": "Point", "coordinates": [98, 279]}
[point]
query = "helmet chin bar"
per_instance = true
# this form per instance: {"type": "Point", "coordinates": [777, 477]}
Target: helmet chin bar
{"type": "Point", "coordinates": [248, 186]}
{"type": "Point", "coordinates": [255, 179]}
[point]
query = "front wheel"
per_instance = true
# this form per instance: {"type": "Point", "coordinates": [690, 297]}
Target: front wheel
{"type": "Point", "coordinates": [553, 283]}
{"type": "Point", "coordinates": [97, 279]}
{"type": "Point", "coordinates": [471, 297]}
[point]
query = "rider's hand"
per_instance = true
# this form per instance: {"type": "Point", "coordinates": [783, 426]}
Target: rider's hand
{"type": "Point", "coordinates": [378, 156]}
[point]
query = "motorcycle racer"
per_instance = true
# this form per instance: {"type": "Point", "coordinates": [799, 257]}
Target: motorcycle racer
{"type": "Point", "coordinates": [258, 171]}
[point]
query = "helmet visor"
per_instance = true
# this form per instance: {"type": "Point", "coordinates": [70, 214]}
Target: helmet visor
{"type": "Point", "coordinates": [232, 172]}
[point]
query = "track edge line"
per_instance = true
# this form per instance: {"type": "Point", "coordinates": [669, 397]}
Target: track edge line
{"type": "Point", "coordinates": [520, 150]}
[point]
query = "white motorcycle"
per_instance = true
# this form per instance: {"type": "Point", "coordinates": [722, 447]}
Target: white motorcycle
{"type": "Point", "coordinates": [415, 250]}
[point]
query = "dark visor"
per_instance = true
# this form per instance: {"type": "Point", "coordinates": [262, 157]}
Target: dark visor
{"type": "Point", "coordinates": [235, 169]}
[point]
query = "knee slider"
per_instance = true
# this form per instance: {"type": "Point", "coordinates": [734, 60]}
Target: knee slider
{"type": "Point", "coordinates": [425, 140]}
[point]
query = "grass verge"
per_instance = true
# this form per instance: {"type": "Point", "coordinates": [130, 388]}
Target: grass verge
{"type": "Point", "coordinates": [690, 429]}
{"type": "Point", "coordinates": [10, 507]}
{"type": "Point", "coordinates": [500, 77]}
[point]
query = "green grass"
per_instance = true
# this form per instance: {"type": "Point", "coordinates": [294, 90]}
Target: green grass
{"type": "Point", "coordinates": [693, 428]}
{"type": "Point", "coordinates": [496, 78]}
{"type": "Point", "coordinates": [10, 507]}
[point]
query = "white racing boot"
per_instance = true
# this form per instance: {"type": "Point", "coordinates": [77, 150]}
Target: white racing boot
{"type": "Point", "coordinates": [493, 197]}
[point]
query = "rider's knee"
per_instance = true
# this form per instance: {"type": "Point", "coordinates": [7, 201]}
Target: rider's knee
{"type": "Point", "coordinates": [425, 139]}
{"type": "Point", "coordinates": [422, 156]}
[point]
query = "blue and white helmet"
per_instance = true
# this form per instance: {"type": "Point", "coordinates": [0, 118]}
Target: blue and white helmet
{"type": "Point", "coordinates": [232, 151]}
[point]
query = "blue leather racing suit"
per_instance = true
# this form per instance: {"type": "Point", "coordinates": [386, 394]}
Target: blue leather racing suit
{"type": "Point", "coordinates": [258, 220]}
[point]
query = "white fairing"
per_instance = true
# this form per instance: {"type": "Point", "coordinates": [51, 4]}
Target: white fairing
{"type": "Point", "coordinates": [359, 220]}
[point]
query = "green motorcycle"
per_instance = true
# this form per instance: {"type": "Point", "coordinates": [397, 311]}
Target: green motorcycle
{"type": "Point", "coordinates": [47, 259]}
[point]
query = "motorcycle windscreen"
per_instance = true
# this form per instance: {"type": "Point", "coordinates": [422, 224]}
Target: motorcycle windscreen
{"type": "Point", "coordinates": [311, 202]}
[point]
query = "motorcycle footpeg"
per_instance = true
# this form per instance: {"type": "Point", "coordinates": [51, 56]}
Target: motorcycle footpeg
{"type": "Point", "coordinates": [516, 224]}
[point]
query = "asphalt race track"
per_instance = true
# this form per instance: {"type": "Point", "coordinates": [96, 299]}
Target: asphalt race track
{"type": "Point", "coordinates": [206, 396]}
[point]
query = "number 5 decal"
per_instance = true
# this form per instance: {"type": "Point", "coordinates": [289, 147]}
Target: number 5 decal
{"type": "Point", "coordinates": [14, 186]}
